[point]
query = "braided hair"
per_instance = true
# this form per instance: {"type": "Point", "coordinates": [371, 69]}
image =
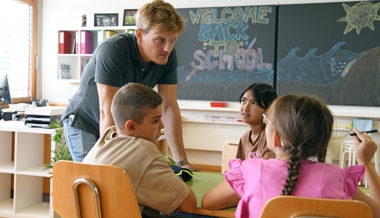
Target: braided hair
{"type": "Point", "coordinates": [293, 171]}
{"type": "Point", "coordinates": [296, 118]}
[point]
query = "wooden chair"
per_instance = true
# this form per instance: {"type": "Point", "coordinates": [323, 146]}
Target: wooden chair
{"type": "Point", "coordinates": [90, 190]}
{"type": "Point", "coordinates": [292, 206]}
{"type": "Point", "coordinates": [229, 152]}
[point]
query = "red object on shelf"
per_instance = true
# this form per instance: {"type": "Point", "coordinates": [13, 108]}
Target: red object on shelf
{"type": "Point", "coordinates": [64, 42]}
{"type": "Point", "coordinates": [218, 104]}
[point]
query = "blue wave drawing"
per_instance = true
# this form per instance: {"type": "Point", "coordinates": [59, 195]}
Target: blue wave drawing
{"type": "Point", "coordinates": [325, 68]}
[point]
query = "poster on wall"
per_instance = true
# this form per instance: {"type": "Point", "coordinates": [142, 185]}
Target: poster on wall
{"type": "Point", "coordinates": [330, 50]}
{"type": "Point", "coordinates": [223, 50]}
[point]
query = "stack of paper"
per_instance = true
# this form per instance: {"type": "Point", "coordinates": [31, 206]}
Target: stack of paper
{"type": "Point", "coordinates": [43, 116]}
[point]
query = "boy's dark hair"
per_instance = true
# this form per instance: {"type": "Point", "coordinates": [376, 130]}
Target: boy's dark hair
{"type": "Point", "coordinates": [132, 102]}
{"type": "Point", "coordinates": [264, 94]}
{"type": "Point", "coordinates": [304, 125]}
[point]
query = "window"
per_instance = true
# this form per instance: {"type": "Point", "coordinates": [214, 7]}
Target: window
{"type": "Point", "coordinates": [17, 47]}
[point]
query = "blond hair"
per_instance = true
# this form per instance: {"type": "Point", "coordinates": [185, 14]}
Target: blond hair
{"type": "Point", "coordinates": [159, 15]}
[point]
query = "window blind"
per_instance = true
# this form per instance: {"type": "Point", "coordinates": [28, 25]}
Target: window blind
{"type": "Point", "coordinates": [16, 45]}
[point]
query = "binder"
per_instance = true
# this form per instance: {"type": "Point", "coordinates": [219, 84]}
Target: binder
{"type": "Point", "coordinates": [77, 42]}
{"type": "Point", "coordinates": [86, 42]}
{"type": "Point", "coordinates": [108, 34]}
{"type": "Point", "coordinates": [64, 42]}
{"type": "Point", "coordinates": [100, 37]}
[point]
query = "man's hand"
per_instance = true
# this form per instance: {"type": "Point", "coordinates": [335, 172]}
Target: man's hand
{"type": "Point", "coordinates": [190, 167]}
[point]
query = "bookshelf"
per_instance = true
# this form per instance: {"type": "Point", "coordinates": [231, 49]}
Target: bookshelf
{"type": "Point", "coordinates": [75, 48]}
{"type": "Point", "coordinates": [22, 169]}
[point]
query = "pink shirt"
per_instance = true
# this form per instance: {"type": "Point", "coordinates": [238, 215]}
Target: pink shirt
{"type": "Point", "coordinates": [255, 181]}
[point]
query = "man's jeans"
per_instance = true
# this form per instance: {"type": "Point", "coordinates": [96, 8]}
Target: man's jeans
{"type": "Point", "coordinates": [78, 141]}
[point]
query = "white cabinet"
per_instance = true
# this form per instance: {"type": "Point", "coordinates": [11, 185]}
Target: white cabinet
{"type": "Point", "coordinates": [22, 166]}
{"type": "Point", "coordinates": [206, 129]}
{"type": "Point", "coordinates": [72, 55]}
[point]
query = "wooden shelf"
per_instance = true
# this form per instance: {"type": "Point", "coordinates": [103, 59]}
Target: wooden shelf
{"type": "Point", "coordinates": [72, 65]}
{"type": "Point", "coordinates": [39, 210]}
{"type": "Point", "coordinates": [27, 170]}
{"type": "Point", "coordinates": [7, 167]}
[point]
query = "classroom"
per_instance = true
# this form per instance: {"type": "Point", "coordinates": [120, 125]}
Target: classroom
{"type": "Point", "coordinates": [226, 45]}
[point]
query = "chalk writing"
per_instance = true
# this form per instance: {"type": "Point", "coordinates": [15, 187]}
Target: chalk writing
{"type": "Point", "coordinates": [210, 15]}
{"type": "Point", "coordinates": [223, 50]}
{"type": "Point", "coordinates": [225, 33]}
{"type": "Point", "coordinates": [245, 59]}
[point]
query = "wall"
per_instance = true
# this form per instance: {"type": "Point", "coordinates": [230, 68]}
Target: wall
{"type": "Point", "coordinates": [203, 136]}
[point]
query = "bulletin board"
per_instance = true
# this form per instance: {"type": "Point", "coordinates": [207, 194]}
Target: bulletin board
{"type": "Point", "coordinates": [330, 50]}
{"type": "Point", "coordinates": [223, 50]}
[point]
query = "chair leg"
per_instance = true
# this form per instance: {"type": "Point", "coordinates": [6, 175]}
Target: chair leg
{"type": "Point", "coordinates": [341, 161]}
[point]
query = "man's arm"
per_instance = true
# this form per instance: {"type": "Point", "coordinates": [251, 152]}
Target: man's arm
{"type": "Point", "coordinates": [106, 94]}
{"type": "Point", "coordinates": [171, 117]}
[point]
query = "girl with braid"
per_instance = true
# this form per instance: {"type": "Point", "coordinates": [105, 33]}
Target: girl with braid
{"type": "Point", "coordinates": [298, 129]}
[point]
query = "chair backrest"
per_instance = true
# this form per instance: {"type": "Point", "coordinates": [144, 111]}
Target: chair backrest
{"type": "Point", "coordinates": [116, 195]}
{"type": "Point", "coordinates": [292, 206]}
{"type": "Point", "coordinates": [229, 152]}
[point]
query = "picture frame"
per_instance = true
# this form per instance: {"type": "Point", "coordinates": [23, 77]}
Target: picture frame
{"type": "Point", "coordinates": [129, 18]}
{"type": "Point", "coordinates": [106, 19]}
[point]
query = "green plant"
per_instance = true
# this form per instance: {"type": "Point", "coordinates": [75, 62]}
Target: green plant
{"type": "Point", "coordinates": [61, 151]}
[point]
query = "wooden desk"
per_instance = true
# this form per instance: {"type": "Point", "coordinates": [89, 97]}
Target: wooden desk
{"type": "Point", "coordinates": [201, 184]}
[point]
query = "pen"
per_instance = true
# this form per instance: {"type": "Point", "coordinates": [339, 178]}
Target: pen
{"type": "Point", "coordinates": [369, 131]}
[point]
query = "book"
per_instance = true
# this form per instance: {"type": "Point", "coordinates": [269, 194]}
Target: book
{"type": "Point", "coordinates": [73, 46]}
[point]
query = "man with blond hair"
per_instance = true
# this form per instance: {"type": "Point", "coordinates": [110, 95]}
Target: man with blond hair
{"type": "Point", "coordinates": [147, 57]}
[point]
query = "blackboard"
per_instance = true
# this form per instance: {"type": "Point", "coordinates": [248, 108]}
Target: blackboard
{"type": "Point", "coordinates": [331, 50]}
{"type": "Point", "coordinates": [223, 50]}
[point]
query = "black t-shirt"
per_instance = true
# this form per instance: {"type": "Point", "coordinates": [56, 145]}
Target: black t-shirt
{"type": "Point", "coordinates": [115, 62]}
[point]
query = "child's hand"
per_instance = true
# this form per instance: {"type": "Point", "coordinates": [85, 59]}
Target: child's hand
{"type": "Point", "coordinates": [365, 147]}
